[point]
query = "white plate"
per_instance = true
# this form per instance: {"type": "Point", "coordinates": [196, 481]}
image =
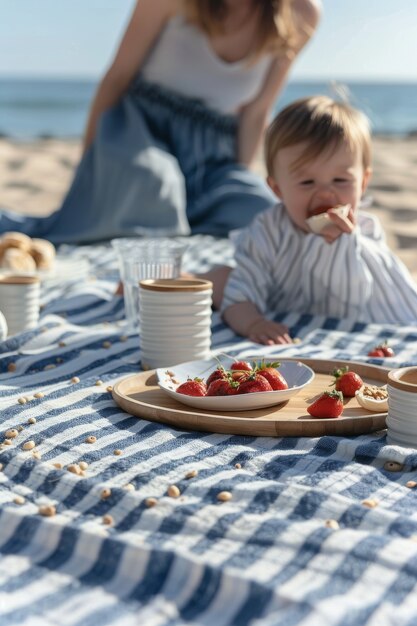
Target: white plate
{"type": "Point", "coordinates": [63, 269]}
{"type": "Point", "coordinates": [295, 373]}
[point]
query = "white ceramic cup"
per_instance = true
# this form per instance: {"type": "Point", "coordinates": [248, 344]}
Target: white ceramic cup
{"type": "Point", "coordinates": [402, 407]}
{"type": "Point", "coordinates": [3, 327]}
{"type": "Point", "coordinates": [175, 323]}
{"type": "Point", "coordinates": [147, 258]}
{"type": "Point", "coordinates": [19, 302]}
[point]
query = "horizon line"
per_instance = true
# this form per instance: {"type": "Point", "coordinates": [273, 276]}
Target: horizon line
{"type": "Point", "coordinates": [295, 79]}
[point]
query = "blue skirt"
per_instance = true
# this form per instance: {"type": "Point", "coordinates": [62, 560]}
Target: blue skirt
{"type": "Point", "coordinates": [161, 163]}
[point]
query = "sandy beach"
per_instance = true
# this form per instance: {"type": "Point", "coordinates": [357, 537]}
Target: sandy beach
{"type": "Point", "coordinates": [35, 176]}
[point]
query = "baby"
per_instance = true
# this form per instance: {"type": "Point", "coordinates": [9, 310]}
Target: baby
{"type": "Point", "coordinates": [318, 157]}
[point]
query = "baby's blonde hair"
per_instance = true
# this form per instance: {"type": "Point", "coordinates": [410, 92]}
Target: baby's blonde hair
{"type": "Point", "coordinates": [323, 124]}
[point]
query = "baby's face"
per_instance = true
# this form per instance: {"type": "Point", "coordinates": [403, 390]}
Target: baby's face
{"type": "Point", "coordinates": [333, 178]}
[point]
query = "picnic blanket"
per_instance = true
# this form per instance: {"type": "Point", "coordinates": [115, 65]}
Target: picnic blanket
{"type": "Point", "coordinates": [319, 531]}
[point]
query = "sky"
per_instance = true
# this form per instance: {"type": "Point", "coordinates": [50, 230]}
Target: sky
{"type": "Point", "coordinates": [357, 39]}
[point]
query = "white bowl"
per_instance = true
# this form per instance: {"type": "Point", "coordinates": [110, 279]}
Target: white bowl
{"type": "Point", "coordinates": [295, 373]}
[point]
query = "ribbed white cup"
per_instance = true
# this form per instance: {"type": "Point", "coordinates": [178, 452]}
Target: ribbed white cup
{"type": "Point", "coordinates": [19, 302]}
{"type": "Point", "coordinates": [402, 407]}
{"type": "Point", "coordinates": [175, 321]}
{"type": "Point", "coordinates": [3, 327]}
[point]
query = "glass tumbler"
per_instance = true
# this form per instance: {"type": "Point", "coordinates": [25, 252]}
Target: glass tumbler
{"type": "Point", "coordinates": [140, 259]}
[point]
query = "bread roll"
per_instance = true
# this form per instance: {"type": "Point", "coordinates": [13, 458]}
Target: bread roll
{"type": "Point", "coordinates": [18, 261]}
{"type": "Point", "coordinates": [16, 240]}
{"type": "Point", "coordinates": [43, 252]}
{"type": "Point", "coordinates": [3, 248]}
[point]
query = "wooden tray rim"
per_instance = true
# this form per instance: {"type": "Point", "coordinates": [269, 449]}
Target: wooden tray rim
{"type": "Point", "coordinates": [238, 424]}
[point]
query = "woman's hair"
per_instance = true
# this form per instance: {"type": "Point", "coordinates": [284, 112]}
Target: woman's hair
{"type": "Point", "coordinates": [278, 32]}
{"type": "Point", "coordinates": [322, 124]}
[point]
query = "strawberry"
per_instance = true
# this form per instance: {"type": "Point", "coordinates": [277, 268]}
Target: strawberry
{"type": "Point", "coordinates": [253, 383]}
{"type": "Point", "coordinates": [222, 387]}
{"type": "Point", "coordinates": [376, 352]}
{"type": "Point", "coordinates": [220, 372]}
{"type": "Point", "coordinates": [322, 209]}
{"type": "Point", "coordinates": [238, 375]}
{"type": "Point", "coordinates": [193, 387]}
{"type": "Point", "coordinates": [275, 378]}
{"type": "Point", "coordinates": [318, 210]}
{"type": "Point", "coordinates": [328, 405]}
{"type": "Point", "coordinates": [241, 365]}
{"type": "Point", "coordinates": [347, 382]}
{"type": "Point", "coordinates": [383, 350]}
{"type": "Point", "coordinates": [388, 352]}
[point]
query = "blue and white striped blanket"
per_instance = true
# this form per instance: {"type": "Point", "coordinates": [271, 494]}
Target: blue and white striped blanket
{"type": "Point", "coordinates": [266, 557]}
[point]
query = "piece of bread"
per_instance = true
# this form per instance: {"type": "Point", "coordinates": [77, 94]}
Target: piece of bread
{"type": "Point", "coordinates": [43, 252]}
{"type": "Point", "coordinates": [317, 223]}
{"type": "Point", "coordinates": [16, 240]}
{"type": "Point", "coordinates": [3, 248]}
{"type": "Point", "coordinates": [18, 261]}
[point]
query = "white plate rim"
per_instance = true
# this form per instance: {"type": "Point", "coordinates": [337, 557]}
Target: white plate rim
{"type": "Point", "coordinates": [59, 271]}
{"type": "Point", "coordinates": [253, 401]}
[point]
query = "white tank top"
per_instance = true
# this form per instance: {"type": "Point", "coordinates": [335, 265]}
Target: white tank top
{"type": "Point", "coordinates": [183, 60]}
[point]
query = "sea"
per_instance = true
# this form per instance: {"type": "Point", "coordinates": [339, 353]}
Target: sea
{"type": "Point", "coordinates": [35, 108]}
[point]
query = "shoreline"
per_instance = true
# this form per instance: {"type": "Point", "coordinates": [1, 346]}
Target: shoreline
{"type": "Point", "coordinates": [410, 135]}
{"type": "Point", "coordinates": [35, 175]}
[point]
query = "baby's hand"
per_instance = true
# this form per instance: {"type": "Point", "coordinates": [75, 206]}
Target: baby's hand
{"type": "Point", "coordinates": [268, 332]}
{"type": "Point", "coordinates": [339, 225]}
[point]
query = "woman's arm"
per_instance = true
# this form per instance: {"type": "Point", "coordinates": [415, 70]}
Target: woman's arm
{"type": "Point", "coordinates": [253, 117]}
{"type": "Point", "coordinates": [147, 21]}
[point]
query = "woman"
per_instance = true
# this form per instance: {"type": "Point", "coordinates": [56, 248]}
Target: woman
{"type": "Point", "coordinates": [177, 120]}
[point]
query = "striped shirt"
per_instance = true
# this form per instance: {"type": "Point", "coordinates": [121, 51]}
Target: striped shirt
{"type": "Point", "coordinates": [282, 269]}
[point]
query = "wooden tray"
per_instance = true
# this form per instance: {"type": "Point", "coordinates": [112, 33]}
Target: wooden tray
{"type": "Point", "coordinates": [140, 396]}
